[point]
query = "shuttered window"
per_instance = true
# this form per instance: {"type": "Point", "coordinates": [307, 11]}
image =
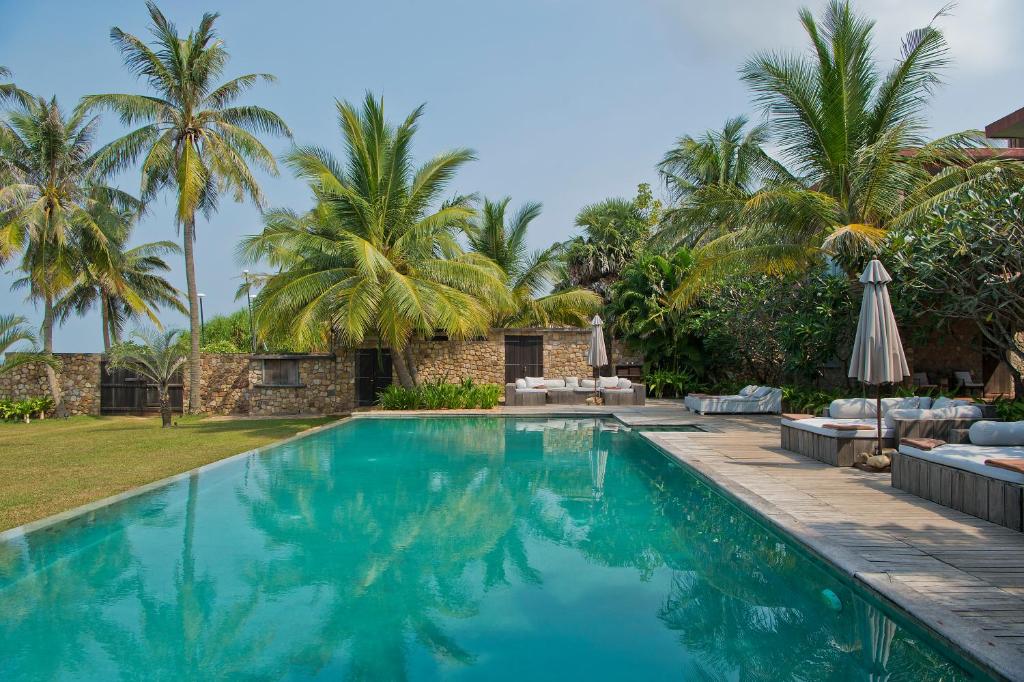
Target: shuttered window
{"type": "Point", "coordinates": [281, 372]}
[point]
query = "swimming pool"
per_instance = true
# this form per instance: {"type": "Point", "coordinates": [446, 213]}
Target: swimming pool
{"type": "Point", "coordinates": [495, 548]}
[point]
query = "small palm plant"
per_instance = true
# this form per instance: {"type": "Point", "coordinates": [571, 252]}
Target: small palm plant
{"type": "Point", "coordinates": [157, 357]}
{"type": "Point", "coordinates": [14, 329]}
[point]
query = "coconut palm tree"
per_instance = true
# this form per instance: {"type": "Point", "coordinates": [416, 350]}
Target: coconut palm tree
{"type": "Point", "coordinates": [14, 329]}
{"type": "Point", "coordinates": [50, 204]}
{"type": "Point", "coordinates": [503, 240]}
{"type": "Point", "coordinates": [10, 91]}
{"type": "Point", "coordinates": [157, 356]}
{"type": "Point", "coordinates": [126, 284]}
{"type": "Point", "coordinates": [377, 258]}
{"type": "Point", "coordinates": [194, 139]}
{"type": "Point", "coordinates": [854, 141]}
{"type": "Point", "coordinates": [709, 177]}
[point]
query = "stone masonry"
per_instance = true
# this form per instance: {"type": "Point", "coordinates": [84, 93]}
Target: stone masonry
{"type": "Point", "coordinates": [79, 378]}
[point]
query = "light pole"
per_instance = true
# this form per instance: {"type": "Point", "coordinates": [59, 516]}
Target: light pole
{"type": "Point", "coordinates": [202, 320]}
{"type": "Point", "coordinates": [252, 324]}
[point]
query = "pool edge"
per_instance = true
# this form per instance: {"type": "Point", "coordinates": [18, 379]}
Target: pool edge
{"type": "Point", "coordinates": [946, 627]}
{"type": "Point", "coordinates": [17, 532]}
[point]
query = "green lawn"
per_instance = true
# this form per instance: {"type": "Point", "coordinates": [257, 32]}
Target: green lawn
{"type": "Point", "coordinates": [50, 466]}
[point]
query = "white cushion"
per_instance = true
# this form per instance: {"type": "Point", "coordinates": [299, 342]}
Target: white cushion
{"type": "Point", "coordinates": [851, 408]}
{"type": "Point", "coordinates": [572, 382]}
{"type": "Point", "coordinates": [949, 402]}
{"type": "Point", "coordinates": [609, 382]}
{"type": "Point", "coordinates": [535, 382]}
{"type": "Point", "coordinates": [761, 391]}
{"type": "Point", "coordinates": [907, 403]}
{"type": "Point", "coordinates": [625, 383]}
{"type": "Point", "coordinates": [957, 412]}
{"type": "Point", "coordinates": [903, 413]}
{"type": "Point", "coordinates": [554, 383]}
{"type": "Point", "coordinates": [531, 390]}
{"type": "Point", "coordinates": [924, 402]}
{"type": "Point", "coordinates": [747, 390]}
{"type": "Point", "coordinates": [587, 383]}
{"type": "Point", "coordinates": [521, 383]}
{"type": "Point", "coordinates": [817, 425]}
{"type": "Point", "coordinates": [972, 458]}
{"type": "Point", "coordinates": [997, 433]}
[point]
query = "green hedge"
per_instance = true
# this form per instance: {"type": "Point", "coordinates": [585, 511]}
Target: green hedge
{"type": "Point", "coordinates": [439, 395]}
{"type": "Point", "coordinates": [24, 410]}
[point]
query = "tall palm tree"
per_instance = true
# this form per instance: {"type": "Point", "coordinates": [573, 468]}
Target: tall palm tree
{"type": "Point", "coordinates": [156, 356]}
{"type": "Point", "coordinates": [50, 204]}
{"type": "Point", "coordinates": [854, 141]}
{"type": "Point", "coordinates": [378, 256]}
{"type": "Point", "coordinates": [195, 139]}
{"type": "Point", "coordinates": [10, 91]}
{"type": "Point", "coordinates": [503, 240]}
{"type": "Point", "coordinates": [706, 175]}
{"type": "Point", "coordinates": [126, 284]}
{"type": "Point", "coordinates": [14, 329]}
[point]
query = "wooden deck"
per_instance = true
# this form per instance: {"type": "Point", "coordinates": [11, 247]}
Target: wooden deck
{"type": "Point", "coordinates": [961, 576]}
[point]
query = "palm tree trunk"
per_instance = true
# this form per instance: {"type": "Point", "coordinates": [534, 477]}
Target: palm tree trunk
{"type": "Point", "coordinates": [59, 409]}
{"type": "Point", "coordinates": [165, 406]}
{"type": "Point", "coordinates": [105, 310]}
{"type": "Point", "coordinates": [402, 369]}
{"type": "Point", "coordinates": [410, 363]}
{"type": "Point", "coordinates": [195, 403]}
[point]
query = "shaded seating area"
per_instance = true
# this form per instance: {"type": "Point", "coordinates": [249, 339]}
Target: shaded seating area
{"type": "Point", "coordinates": [983, 478]}
{"type": "Point", "coordinates": [965, 382]}
{"type": "Point", "coordinates": [850, 426]}
{"type": "Point", "coordinates": [538, 391]}
{"type": "Point", "coordinates": [750, 400]}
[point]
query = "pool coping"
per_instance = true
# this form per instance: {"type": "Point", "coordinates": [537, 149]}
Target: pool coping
{"type": "Point", "coordinates": [18, 532]}
{"type": "Point", "coordinates": [947, 627]}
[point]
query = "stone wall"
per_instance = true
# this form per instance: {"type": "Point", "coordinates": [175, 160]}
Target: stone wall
{"type": "Point", "coordinates": [565, 353]}
{"type": "Point", "coordinates": [79, 379]}
{"type": "Point", "coordinates": [224, 384]}
{"type": "Point", "coordinates": [326, 386]}
{"type": "Point", "coordinates": [483, 360]}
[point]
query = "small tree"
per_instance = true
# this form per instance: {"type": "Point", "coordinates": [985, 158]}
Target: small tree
{"type": "Point", "coordinates": [966, 262]}
{"type": "Point", "coordinates": [157, 357]}
{"type": "Point", "coordinates": [14, 329]}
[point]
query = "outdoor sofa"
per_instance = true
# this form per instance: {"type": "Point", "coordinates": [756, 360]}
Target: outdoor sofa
{"type": "Point", "coordinates": [850, 426]}
{"type": "Point", "coordinates": [573, 391]}
{"type": "Point", "coordinates": [750, 400]}
{"type": "Point", "coordinates": [962, 476]}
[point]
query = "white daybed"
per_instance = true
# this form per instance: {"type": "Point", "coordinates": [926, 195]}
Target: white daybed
{"type": "Point", "coordinates": [750, 400]}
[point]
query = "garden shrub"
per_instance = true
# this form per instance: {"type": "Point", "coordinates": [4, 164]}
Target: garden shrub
{"type": "Point", "coordinates": [440, 395]}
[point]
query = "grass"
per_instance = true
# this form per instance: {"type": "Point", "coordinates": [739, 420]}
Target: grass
{"type": "Point", "coordinates": [54, 465]}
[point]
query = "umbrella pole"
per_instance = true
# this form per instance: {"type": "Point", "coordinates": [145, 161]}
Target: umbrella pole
{"type": "Point", "coordinates": [878, 415]}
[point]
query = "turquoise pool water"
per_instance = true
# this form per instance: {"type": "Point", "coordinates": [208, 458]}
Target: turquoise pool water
{"type": "Point", "coordinates": [481, 548]}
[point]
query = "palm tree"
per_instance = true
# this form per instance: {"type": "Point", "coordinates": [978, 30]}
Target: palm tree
{"type": "Point", "coordinates": [528, 275]}
{"type": "Point", "coordinates": [126, 283]}
{"type": "Point", "coordinates": [10, 91]}
{"type": "Point", "coordinates": [378, 255]}
{"type": "Point", "coordinates": [50, 204]}
{"type": "Point", "coordinates": [854, 141]}
{"type": "Point", "coordinates": [614, 230]}
{"type": "Point", "coordinates": [157, 357]}
{"type": "Point", "coordinates": [195, 139]}
{"type": "Point", "coordinates": [707, 175]}
{"type": "Point", "coordinates": [14, 329]}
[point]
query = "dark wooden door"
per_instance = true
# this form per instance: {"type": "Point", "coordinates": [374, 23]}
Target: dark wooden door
{"type": "Point", "coordinates": [524, 357]}
{"type": "Point", "coordinates": [373, 374]}
{"type": "Point", "coordinates": [124, 392]}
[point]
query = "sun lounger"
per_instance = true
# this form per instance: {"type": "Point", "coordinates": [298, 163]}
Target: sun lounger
{"type": "Point", "coordinates": [984, 478]}
{"type": "Point", "coordinates": [750, 400]}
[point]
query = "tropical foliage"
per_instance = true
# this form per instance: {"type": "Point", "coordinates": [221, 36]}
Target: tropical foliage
{"type": "Point", "coordinates": [377, 257]}
{"type": "Point", "coordinates": [529, 276]}
{"type": "Point", "coordinates": [844, 130]}
{"type": "Point", "coordinates": [195, 138]}
{"type": "Point", "coordinates": [52, 205]}
{"type": "Point", "coordinates": [14, 330]}
{"type": "Point", "coordinates": [156, 356]}
{"type": "Point", "coordinates": [23, 410]}
{"type": "Point", "coordinates": [440, 395]}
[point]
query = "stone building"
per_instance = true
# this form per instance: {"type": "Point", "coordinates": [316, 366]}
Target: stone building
{"type": "Point", "coordinates": [330, 383]}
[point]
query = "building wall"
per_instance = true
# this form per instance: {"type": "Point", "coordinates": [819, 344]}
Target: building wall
{"type": "Point", "coordinates": [483, 360]}
{"type": "Point", "coordinates": [958, 348]}
{"type": "Point", "coordinates": [79, 378]}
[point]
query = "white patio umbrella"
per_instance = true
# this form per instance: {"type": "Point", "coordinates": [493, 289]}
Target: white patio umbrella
{"type": "Point", "coordinates": [877, 350]}
{"type": "Point", "coordinates": [597, 356]}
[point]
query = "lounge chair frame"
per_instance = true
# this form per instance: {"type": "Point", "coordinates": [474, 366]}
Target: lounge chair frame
{"type": "Point", "coordinates": [839, 451]}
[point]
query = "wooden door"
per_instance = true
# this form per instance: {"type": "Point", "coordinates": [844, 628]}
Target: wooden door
{"type": "Point", "coordinates": [373, 374]}
{"type": "Point", "coordinates": [524, 357]}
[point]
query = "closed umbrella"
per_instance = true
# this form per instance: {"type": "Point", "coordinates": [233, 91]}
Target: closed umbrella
{"type": "Point", "coordinates": [877, 351]}
{"type": "Point", "coordinates": [597, 356]}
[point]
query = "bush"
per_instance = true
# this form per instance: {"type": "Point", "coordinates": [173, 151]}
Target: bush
{"type": "Point", "coordinates": [1010, 410]}
{"type": "Point", "coordinates": [24, 410]}
{"type": "Point", "coordinates": [664, 383]}
{"type": "Point", "coordinates": [222, 346]}
{"type": "Point", "coordinates": [440, 395]}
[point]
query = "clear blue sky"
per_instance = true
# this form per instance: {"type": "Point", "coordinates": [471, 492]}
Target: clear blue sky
{"type": "Point", "coordinates": [565, 101]}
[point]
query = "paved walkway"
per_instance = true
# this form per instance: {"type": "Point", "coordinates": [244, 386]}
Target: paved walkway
{"type": "Point", "coordinates": [961, 575]}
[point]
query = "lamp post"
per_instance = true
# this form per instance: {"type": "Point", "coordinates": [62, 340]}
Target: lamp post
{"type": "Point", "coordinates": [202, 320]}
{"type": "Point", "coordinates": [252, 324]}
